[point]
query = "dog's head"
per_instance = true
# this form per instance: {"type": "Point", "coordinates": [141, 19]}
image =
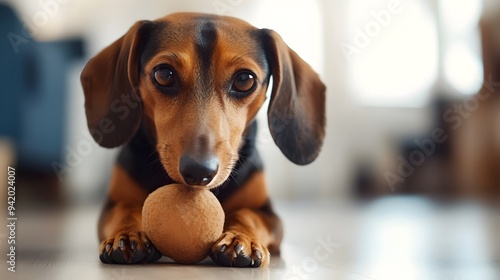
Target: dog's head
{"type": "Point", "coordinates": [195, 82]}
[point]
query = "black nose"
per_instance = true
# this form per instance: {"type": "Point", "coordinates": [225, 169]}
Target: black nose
{"type": "Point", "coordinates": [198, 171]}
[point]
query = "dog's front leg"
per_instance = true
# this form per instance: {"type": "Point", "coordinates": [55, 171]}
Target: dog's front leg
{"type": "Point", "coordinates": [252, 230]}
{"type": "Point", "coordinates": [120, 226]}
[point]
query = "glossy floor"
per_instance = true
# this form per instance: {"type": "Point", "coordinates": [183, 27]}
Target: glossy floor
{"type": "Point", "coordinates": [390, 238]}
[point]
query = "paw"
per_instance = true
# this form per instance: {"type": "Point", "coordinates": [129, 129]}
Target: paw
{"type": "Point", "coordinates": [239, 250]}
{"type": "Point", "coordinates": [128, 247]}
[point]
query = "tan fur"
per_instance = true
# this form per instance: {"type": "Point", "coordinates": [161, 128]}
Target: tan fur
{"type": "Point", "coordinates": [251, 195]}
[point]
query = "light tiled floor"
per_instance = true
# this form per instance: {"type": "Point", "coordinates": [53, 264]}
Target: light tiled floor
{"type": "Point", "coordinates": [391, 238]}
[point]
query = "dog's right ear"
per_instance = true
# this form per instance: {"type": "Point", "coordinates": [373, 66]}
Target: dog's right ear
{"type": "Point", "coordinates": [110, 82]}
{"type": "Point", "coordinates": [296, 113]}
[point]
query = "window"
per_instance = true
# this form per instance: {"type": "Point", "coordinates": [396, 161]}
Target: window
{"type": "Point", "coordinates": [463, 68]}
{"type": "Point", "coordinates": [399, 52]}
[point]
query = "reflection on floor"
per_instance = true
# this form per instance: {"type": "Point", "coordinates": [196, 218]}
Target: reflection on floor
{"type": "Point", "coordinates": [385, 239]}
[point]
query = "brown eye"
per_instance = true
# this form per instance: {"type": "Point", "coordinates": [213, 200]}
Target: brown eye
{"type": "Point", "coordinates": [244, 82]}
{"type": "Point", "coordinates": [164, 76]}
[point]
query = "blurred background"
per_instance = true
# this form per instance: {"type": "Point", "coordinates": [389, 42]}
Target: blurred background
{"type": "Point", "coordinates": [413, 123]}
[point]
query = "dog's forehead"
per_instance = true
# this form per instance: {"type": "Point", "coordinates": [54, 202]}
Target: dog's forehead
{"type": "Point", "coordinates": [203, 31]}
{"type": "Point", "coordinates": [190, 21]}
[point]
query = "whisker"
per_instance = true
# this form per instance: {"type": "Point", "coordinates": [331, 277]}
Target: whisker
{"type": "Point", "coordinates": [249, 159]}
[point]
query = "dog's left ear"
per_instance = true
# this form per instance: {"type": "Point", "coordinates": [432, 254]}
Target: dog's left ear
{"type": "Point", "coordinates": [110, 82]}
{"type": "Point", "coordinates": [296, 113]}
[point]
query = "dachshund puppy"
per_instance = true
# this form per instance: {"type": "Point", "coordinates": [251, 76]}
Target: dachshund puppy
{"type": "Point", "coordinates": [180, 94]}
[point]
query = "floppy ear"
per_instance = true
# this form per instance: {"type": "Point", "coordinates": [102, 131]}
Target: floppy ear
{"type": "Point", "coordinates": [296, 113]}
{"type": "Point", "coordinates": [110, 82]}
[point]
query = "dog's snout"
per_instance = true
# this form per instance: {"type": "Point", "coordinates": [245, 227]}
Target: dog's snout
{"type": "Point", "coordinates": [198, 171]}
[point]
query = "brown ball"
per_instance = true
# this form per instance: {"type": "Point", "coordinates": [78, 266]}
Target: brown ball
{"type": "Point", "coordinates": [182, 222]}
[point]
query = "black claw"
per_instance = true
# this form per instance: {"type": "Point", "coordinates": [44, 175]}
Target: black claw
{"type": "Point", "coordinates": [256, 263]}
{"type": "Point", "coordinates": [101, 258]}
{"type": "Point", "coordinates": [129, 252]}
{"type": "Point", "coordinates": [258, 254]}
{"type": "Point", "coordinates": [222, 248]}
{"type": "Point", "coordinates": [121, 244]}
{"type": "Point", "coordinates": [152, 256]}
{"type": "Point", "coordinates": [232, 258]}
{"type": "Point", "coordinates": [225, 255]}
{"type": "Point", "coordinates": [238, 248]}
{"type": "Point", "coordinates": [105, 257]}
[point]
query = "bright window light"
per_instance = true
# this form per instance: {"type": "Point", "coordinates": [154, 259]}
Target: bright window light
{"type": "Point", "coordinates": [460, 15]}
{"type": "Point", "coordinates": [305, 39]}
{"type": "Point", "coordinates": [463, 69]}
{"type": "Point", "coordinates": [462, 62]}
{"type": "Point", "coordinates": [397, 64]}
